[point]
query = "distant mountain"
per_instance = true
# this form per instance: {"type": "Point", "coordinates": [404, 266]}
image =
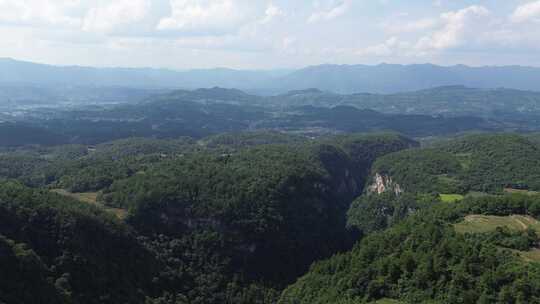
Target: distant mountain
{"type": "Point", "coordinates": [519, 109]}
{"type": "Point", "coordinates": [392, 78]}
{"type": "Point", "coordinates": [344, 79]}
{"type": "Point", "coordinates": [14, 95]}
{"type": "Point", "coordinates": [20, 72]}
{"type": "Point", "coordinates": [199, 114]}
{"type": "Point", "coordinates": [506, 104]}
{"type": "Point", "coordinates": [210, 95]}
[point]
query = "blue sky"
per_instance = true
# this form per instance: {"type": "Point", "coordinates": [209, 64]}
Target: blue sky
{"type": "Point", "coordinates": [266, 34]}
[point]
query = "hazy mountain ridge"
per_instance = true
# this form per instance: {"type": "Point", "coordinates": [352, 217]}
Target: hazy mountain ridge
{"type": "Point", "coordinates": [204, 112]}
{"type": "Point", "coordinates": [447, 100]}
{"type": "Point", "coordinates": [20, 72]}
{"type": "Point", "coordinates": [346, 79]}
{"type": "Point", "coordinates": [392, 78]}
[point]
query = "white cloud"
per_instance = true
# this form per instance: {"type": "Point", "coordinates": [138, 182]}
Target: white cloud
{"type": "Point", "coordinates": [527, 12]}
{"type": "Point", "coordinates": [70, 30]}
{"type": "Point", "coordinates": [38, 12]}
{"type": "Point", "coordinates": [206, 16]}
{"type": "Point", "coordinates": [411, 26]}
{"type": "Point", "coordinates": [470, 27]}
{"type": "Point", "coordinates": [458, 26]}
{"type": "Point", "coordinates": [391, 46]}
{"type": "Point", "coordinates": [333, 11]}
{"type": "Point", "coordinates": [438, 3]}
{"type": "Point", "coordinates": [115, 15]}
{"type": "Point", "coordinates": [272, 12]}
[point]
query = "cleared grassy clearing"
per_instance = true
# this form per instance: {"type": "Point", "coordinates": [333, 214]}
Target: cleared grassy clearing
{"type": "Point", "coordinates": [531, 255]}
{"type": "Point", "coordinates": [519, 191]}
{"type": "Point", "coordinates": [451, 198]}
{"type": "Point", "coordinates": [91, 198]}
{"type": "Point", "coordinates": [476, 194]}
{"type": "Point", "coordinates": [487, 223]}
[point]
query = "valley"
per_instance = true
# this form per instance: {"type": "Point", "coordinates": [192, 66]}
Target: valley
{"type": "Point", "coordinates": [211, 196]}
{"type": "Point", "coordinates": [295, 201]}
{"type": "Point", "coordinates": [269, 152]}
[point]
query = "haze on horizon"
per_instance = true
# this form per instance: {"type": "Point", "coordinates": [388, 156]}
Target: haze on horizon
{"type": "Point", "coordinates": [268, 34]}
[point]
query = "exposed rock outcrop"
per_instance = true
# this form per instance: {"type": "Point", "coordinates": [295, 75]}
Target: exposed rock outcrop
{"type": "Point", "coordinates": [383, 183]}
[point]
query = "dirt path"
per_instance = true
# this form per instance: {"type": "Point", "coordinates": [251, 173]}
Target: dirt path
{"type": "Point", "coordinates": [520, 222]}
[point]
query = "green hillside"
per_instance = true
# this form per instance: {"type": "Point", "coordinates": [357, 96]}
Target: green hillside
{"type": "Point", "coordinates": [424, 260]}
{"type": "Point", "coordinates": [485, 163]}
{"type": "Point", "coordinates": [199, 216]}
{"type": "Point", "coordinates": [71, 251]}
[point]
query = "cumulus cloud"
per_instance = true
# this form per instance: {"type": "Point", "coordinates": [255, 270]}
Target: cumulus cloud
{"type": "Point", "coordinates": [335, 10]}
{"type": "Point", "coordinates": [389, 47]}
{"type": "Point", "coordinates": [115, 15]}
{"type": "Point", "coordinates": [38, 12]}
{"type": "Point", "coordinates": [140, 17]}
{"type": "Point", "coordinates": [458, 25]}
{"type": "Point", "coordinates": [410, 26]}
{"type": "Point", "coordinates": [272, 12]}
{"type": "Point", "coordinates": [286, 29]}
{"type": "Point", "coordinates": [472, 26]}
{"type": "Point", "coordinates": [206, 15]}
{"type": "Point", "coordinates": [527, 12]}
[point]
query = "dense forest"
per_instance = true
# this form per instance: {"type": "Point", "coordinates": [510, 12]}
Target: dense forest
{"type": "Point", "coordinates": [67, 251]}
{"type": "Point", "coordinates": [268, 217]}
{"type": "Point", "coordinates": [202, 237]}
{"type": "Point", "coordinates": [206, 112]}
{"type": "Point", "coordinates": [484, 163]}
{"type": "Point", "coordinates": [424, 259]}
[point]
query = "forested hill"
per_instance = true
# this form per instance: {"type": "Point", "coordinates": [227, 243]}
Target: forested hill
{"type": "Point", "coordinates": [436, 256]}
{"type": "Point", "coordinates": [58, 250]}
{"type": "Point", "coordinates": [228, 219]}
{"type": "Point", "coordinates": [266, 217]}
{"type": "Point", "coordinates": [472, 163]}
{"type": "Point", "coordinates": [203, 113]}
{"type": "Point", "coordinates": [199, 113]}
{"type": "Point", "coordinates": [441, 100]}
{"type": "Point", "coordinates": [445, 100]}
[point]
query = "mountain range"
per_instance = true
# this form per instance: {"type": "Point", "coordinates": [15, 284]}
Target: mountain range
{"type": "Point", "coordinates": [344, 79]}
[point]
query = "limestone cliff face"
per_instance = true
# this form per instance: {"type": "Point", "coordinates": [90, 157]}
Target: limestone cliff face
{"type": "Point", "coordinates": [383, 183]}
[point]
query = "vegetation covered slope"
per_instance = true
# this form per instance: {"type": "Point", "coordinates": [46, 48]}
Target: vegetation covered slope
{"type": "Point", "coordinates": [286, 206]}
{"type": "Point", "coordinates": [79, 168]}
{"type": "Point", "coordinates": [485, 163]}
{"type": "Point", "coordinates": [71, 251]}
{"type": "Point", "coordinates": [20, 134]}
{"type": "Point", "coordinates": [354, 119]}
{"type": "Point", "coordinates": [228, 219]}
{"type": "Point", "coordinates": [206, 112]}
{"type": "Point", "coordinates": [424, 260]}
{"type": "Point", "coordinates": [445, 100]}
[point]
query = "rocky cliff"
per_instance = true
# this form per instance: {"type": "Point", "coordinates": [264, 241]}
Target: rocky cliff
{"type": "Point", "coordinates": [383, 183]}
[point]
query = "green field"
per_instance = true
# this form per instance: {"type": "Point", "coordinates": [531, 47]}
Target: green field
{"type": "Point", "coordinates": [518, 191]}
{"type": "Point", "coordinates": [451, 198]}
{"type": "Point", "coordinates": [91, 198]}
{"type": "Point", "coordinates": [486, 223]}
{"type": "Point", "coordinates": [531, 255]}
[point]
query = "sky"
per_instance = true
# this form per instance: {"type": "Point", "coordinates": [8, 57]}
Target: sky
{"type": "Point", "coordinates": [270, 34]}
